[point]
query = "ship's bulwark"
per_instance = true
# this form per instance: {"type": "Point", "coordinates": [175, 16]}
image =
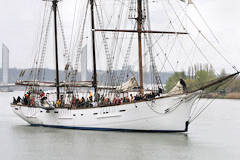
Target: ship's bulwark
{"type": "Point", "coordinates": [169, 114]}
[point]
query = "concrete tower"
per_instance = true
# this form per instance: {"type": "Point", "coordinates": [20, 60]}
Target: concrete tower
{"type": "Point", "coordinates": [84, 64]}
{"type": "Point", "coordinates": [5, 63]}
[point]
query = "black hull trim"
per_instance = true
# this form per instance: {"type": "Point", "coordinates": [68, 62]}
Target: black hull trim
{"type": "Point", "coordinates": [112, 129]}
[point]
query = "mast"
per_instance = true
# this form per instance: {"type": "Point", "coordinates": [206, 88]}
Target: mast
{"type": "Point", "coordinates": [93, 47]}
{"type": "Point", "coordinates": [54, 6]}
{"type": "Point", "coordinates": [139, 29]}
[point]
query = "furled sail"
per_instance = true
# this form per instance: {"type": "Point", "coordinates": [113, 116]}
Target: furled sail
{"type": "Point", "coordinates": [53, 84]}
{"type": "Point", "coordinates": [178, 89]}
{"type": "Point", "coordinates": [188, 1]}
{"type": "Point", "coordinates": [132, 83]}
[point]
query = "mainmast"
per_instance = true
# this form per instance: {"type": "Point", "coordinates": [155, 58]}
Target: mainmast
{"type": "Point", "coordinates": [139, 29]}
{"type": "Point", "coordinates": [54, 7]}
{"type": "Point", "coordinates": [93, 47]}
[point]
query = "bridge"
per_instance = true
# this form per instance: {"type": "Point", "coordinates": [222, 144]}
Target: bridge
{"type": "Point", "coordinates": [7, 87]}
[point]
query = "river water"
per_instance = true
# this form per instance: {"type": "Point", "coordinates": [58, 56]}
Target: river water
{"type": "Point", "coordinates": [213, 136]}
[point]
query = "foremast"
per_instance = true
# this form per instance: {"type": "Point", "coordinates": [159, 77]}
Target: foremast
{"type": "Point", "coordinates": [139, 29]}
{"type": "Point", "coordinates": [93, 47]}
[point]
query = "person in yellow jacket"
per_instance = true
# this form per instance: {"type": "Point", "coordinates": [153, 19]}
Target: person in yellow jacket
{"type": "Point", "coordinates": [58, 103]}
{"type": "Point", "coordinates": [90, 96]}
{"type": "Point", "coordinates": [131, 98]}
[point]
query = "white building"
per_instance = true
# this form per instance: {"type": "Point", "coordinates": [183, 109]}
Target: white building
{"type": "Point", "coordinates": [84, 64]}
{"type": "Point", "coordinates": [5, 63]}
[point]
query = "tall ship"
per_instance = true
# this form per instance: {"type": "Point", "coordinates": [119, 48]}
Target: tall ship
{"type": "Point", "coordinates": [129, 94]}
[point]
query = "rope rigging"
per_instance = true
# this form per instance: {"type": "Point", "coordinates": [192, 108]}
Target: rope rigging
{"type": "Point", "coordinates": [44, 47]}
{"type": "Point", "coordinates": [210, 43]}
{"type": "Point", "coordinates": [125, 68]}
{"type": "Point", "coordinates": [111, 52]}
{"type": "Point", "coordinates": [66, 54]}
{"type": "Point", "coordinates": [106, 48]}
{"type": "Point", "coordinates": [80, 46]}
{"type": "Point", "coordinates": [196, 112]}
{"type": "Point", "coordinates": [33, 71]}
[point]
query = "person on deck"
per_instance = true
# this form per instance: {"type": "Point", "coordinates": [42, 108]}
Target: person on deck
{"type": "Point", "coordinates": [131, 96]}
{"type": "Point", "coordinates": [77, 102]}
{"type": "Point", "coordinates": [25, 99]}
{"type": "Point", "coordinates": [114, 100]}
{"type": "Point", "coordinates": [90, 96]}
{"type": "Point", "coordinates": [160, 91]}
{"type": "Point", "coordinates": [19, 99]}
{"type": "Point", "coordinates": [32, 101]}
{"type": "Point", "coordinates": [29, 93]}
{"type": "Point", "coordinates": [106, 101]}
{"type": "Point", "coordinates": [73, 101]}
{"type": "Point", "coordinates": [137, 98]}
{"type": "Point", "coordinates": [102, 99]}
{"type": "Point", "coordinates": [87, 103]}
{"type": "Point", "coordinates": [62, 101]}
{"type": "Point", "coordinates": [182, 82]}
{"type": "Point", "coordinates": [58, 103]}
{"type": "Point", "coordinates": [14, 100]}
{"type": "Point", "coordinates": [42, 94]}
{"type": "Point", "coordinates": [119, 101]}
{"type": "Point", "coordinates": [82, 101]}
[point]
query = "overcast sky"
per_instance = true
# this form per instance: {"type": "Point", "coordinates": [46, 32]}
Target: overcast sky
{"type": "Point", "coordinates": [20, 20]}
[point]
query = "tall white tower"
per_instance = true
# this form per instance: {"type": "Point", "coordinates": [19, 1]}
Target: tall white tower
{"type": "Point", "coordinates": [84, 64]}
{"type": "Point", "coordinates": [5, 63]}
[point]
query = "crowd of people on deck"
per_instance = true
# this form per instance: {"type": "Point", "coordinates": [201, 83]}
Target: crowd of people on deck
{"type": "Point", "coordinates": [39, 98]}
{"type": "Point", "coordinates": [30, 99]}
{"type": "Point", "coordinates": [100, 100]}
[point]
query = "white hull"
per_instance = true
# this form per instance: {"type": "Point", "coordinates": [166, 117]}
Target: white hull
{"type": "Point", "coordinates": [141, 116]}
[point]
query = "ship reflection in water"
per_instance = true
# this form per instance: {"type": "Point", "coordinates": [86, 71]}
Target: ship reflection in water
{"type": "Point", "coordinates": [212, 136]}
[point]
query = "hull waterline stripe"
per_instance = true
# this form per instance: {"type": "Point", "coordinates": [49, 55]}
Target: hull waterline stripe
{"type": "Point", "coordinates": [110, 129]}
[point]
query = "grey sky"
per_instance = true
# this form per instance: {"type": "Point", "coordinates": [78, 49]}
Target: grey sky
{"type": "Point", "coordinates": [20, 20]}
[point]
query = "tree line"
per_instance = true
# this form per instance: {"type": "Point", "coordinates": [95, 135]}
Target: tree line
{"type": "Point", "coordinates": [199, 75]}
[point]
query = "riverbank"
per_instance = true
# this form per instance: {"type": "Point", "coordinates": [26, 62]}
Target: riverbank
{"type": "Point", "coordinates": [232, 95]}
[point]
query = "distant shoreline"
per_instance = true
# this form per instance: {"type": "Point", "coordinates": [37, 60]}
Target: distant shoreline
{"type": "Point", "coordinates": [232, 95]}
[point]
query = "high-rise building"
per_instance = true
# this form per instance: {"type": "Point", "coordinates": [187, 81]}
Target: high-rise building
{"type": "Point", "coordinates": [84, 64]}
{"type": "Point", "coordinates": [5, 63]}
